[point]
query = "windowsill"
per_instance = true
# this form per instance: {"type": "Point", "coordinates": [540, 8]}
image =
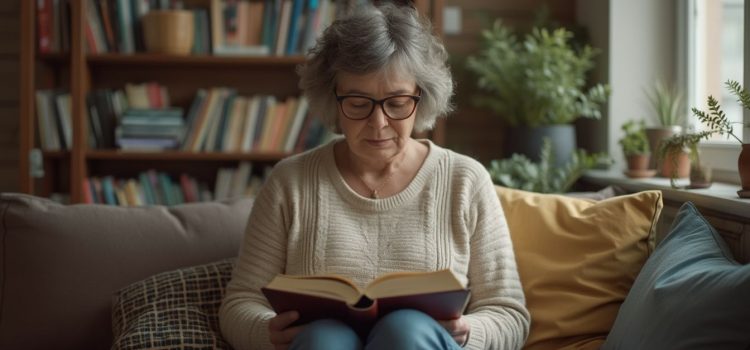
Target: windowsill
{"type": "Point", "coordinates": [720, 196]}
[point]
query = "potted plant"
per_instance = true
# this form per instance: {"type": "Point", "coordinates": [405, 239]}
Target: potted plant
{"type": "Point", "coordinates": [636, 149]}
{"type": "Point", "coordinates": [538, 86]}
{"type": "Point", "coordinates": [717, 122]}
{"type": "Point", "coordinates": [668, 111]}
{"type": "Point", "coordinates": [544, 176]}
{"type": "Point", "coordinates": [680, 159]}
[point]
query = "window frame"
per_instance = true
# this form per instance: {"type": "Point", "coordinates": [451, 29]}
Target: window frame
{"type": "Point", "coordinates": [720, 156]}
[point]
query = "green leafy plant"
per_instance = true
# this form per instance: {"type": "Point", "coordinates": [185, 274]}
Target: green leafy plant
{"type": "Point", "coordinates": [539, 81]}
{"type": "Point", "coordinates": [634, 140]}
{"type": "Point", "coordinates": [667, 103]}
{"type": "Point", "coordinates": [716, 119]}
{"type": "Point", "coordinates": [545, 177]}
{"type": "Point", "coordinates": [687, 142]}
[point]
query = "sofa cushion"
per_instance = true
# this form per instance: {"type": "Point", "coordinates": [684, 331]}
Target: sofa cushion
{"type": "Point", "coordinates": [691, 294]}
{"type": "Point", "coordinates": [577, 259]}
{"type": "Point", "coordinates": [61, 265]}
{"type": "Point", "coordinates": [176, 309]}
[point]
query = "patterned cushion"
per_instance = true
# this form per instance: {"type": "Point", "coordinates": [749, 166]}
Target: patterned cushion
{"type": "Point", "coordinates": [172, 310]}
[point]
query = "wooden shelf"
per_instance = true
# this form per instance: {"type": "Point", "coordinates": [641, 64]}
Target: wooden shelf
{"type": "Point", "coordinates": [146, 59]}
{"type": "Point", "coordinates": [184, 156]}
{"type": "Point", "coordinates": [55, 154]}
{"type": "Point", "coordinates": [55, 58]}
{"type": "Point", "coordinates": [81, 73]}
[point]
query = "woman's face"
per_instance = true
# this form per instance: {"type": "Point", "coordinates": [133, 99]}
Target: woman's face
{"type": "Point", "coordinates": [376, 137]}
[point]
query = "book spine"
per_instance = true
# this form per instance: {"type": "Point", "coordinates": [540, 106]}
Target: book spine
{"type": "Point", "coordinates": [294, 27]}
{"type": "Point", "coordinates": [283, 28]}
{"type": "Point", "coordinates": [44, 22]}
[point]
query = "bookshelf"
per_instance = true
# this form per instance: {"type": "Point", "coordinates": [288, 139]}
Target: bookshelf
{"type": "Point", "coordinates": [79, 72]}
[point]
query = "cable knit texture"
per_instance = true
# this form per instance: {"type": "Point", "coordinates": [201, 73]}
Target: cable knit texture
{"type": "Point", "coordinates": [307, 220]}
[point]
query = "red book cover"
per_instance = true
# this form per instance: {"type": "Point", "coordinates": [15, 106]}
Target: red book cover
{"type": "Point", "coordinates": [187, 189]}
{"type": "Point", "coordinates": [438, 294]}
{"type": "Point", "coordinates": [90, 40]}
{"type": "Point", "coordinates": [44, 19]}
{"type": "Point", "coordinates": [154, 95]}
{"type": "Point", "coordinates": [88, 197]}
{"type": "Point", "coordinates": [109, 32]}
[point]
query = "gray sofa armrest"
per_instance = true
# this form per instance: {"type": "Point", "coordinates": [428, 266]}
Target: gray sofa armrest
{"type": "Point", "coordinates": [61, 265]}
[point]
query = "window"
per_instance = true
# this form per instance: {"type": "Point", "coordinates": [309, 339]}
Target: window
{"type": "Point", "coordinates": [712, 50]}
{"type": "Point", "coordinates": [715, 34]}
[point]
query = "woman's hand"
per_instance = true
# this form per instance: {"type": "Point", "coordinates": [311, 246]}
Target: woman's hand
{"type": "Point", "coordinates": [458, 329]}
{"type": "Point", "coordinates": [280, 333]}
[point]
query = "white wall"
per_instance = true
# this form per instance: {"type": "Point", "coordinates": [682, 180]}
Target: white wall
{"type": "Point", "coordinates": [640, 48]}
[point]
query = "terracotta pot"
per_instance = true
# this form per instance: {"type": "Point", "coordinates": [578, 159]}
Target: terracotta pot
{"type": "Point", "coordinates": [677, 163]}
{"type": "Point", "coordinates": [638, 161]}
{"type": "Point", "coordinates": [168, 31]}
{"type": "Point", "coordinates": [656, 136]}
{"type": "Point", "coordinates": [743, 166]}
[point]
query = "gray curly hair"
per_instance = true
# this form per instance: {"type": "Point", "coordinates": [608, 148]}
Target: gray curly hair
{"type": "Point", "coordinates": [375, 38]}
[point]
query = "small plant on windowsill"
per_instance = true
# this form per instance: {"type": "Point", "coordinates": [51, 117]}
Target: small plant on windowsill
{"type": "Point", "coordinates": [718, 123]}
{"type": "Point", "coordinates": [635, 147]}
{"type": "Point", "coordinates": [685, 145]}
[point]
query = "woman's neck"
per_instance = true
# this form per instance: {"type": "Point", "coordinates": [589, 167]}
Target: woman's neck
{"type": "Point", "coordinates": [380, 178]}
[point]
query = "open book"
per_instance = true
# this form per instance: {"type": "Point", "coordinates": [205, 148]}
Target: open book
{"type": "Point", "coordinates": [439, 294]}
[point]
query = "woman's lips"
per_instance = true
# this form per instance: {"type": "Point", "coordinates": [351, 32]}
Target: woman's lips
{"type": "Point", "coordinates": [378, 142]}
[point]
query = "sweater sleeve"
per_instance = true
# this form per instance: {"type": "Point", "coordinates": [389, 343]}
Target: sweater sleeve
{"type": "Point", "coordinates": [245, 312]}
{"type": "Point", "coordinates": [496, 314]}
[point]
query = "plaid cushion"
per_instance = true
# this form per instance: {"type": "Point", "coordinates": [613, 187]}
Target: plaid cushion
{"type": "Point", "coordinates": [172, 310]}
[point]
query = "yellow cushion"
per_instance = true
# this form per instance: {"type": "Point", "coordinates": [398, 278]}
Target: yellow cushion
{"type": "Point", "coordinates": [577, 259]}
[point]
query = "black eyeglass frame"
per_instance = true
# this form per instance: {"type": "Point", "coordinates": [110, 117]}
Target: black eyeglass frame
{"type": "Point", "coordinates": [380, 102]}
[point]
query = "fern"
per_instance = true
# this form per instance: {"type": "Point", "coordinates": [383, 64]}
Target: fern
{"type": "Point", "coordinates": [743, 96]}
{"type": "Point", "coordinates": [716, 120]}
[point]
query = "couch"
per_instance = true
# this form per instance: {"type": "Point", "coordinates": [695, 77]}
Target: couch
{"type": "Point", "coordinates": [63, 265]}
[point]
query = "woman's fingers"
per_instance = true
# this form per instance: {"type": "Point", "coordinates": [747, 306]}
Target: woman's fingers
{"type": "Point", "coordinates": [279, 332]}
{"type": "Point", "coordinates": [282, 320]}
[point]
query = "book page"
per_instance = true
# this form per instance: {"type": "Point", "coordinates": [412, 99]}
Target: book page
{"type": "Point", "coordinates": [409, 283]}
{"type": "Point", "coordinates": [326, 286]}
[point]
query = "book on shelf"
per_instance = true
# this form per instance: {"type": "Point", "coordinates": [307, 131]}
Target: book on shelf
{"type": "Point", "coordinates": [53, 116]}
{"type": "Point", "coordinates": [439, 294]}
{"type": "Point", "coordinates": [52, 22]}
{"type": "Point", "coordinates": [153, 187]}
{"type": "Point", "coordinates": [45, 26]}
{"type": "Point", "coordinates": [220, 120]}
{"type": "Point", "coordinates": [295, 24]}
{"type": "Point", "coordinates": [202, 38]}
{"type": "Point", "coordinates": [221, 27]}
{"type": "Point", "coordinates": [104, 114]}
{"type": "Point", "coordinates": [283, 28]}
{"type": "Point", "coordinates": [150, 129]}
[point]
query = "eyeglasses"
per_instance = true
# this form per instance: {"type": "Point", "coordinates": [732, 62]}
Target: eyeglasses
{"type": "Point", "coordinates": [396, 107]}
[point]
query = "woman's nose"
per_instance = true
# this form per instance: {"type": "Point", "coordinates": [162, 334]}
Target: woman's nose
{"type": "Point", "coordinates": [377, 119]}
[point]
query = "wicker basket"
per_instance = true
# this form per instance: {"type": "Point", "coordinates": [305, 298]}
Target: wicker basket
{"type": "Point", "coordinates": [168, 31]}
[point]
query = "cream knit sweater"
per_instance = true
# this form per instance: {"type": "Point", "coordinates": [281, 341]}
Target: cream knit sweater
{"type": "Point", "coordinates": [307, 220]}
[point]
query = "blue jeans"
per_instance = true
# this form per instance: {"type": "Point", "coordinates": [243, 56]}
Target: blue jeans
{"type": "Point", "coordinates": [403, 329]}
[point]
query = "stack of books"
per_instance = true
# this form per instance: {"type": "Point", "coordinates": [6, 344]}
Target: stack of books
{"type": "Point", "coordinates": [150, 129]}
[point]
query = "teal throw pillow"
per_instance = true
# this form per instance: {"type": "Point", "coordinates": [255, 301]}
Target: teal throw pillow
{"type": "Point", "coordinates": [690, 294]}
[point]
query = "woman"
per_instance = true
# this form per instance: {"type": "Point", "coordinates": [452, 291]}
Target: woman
{"type": "Point", "coordinates": [378, 201]}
